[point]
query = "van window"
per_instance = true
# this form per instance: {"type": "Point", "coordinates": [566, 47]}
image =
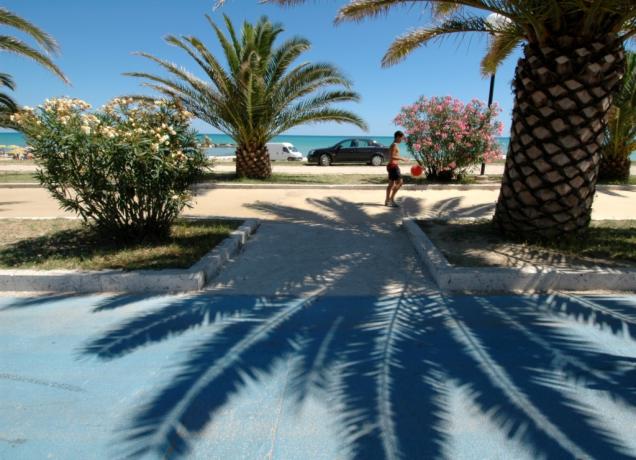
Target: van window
{"type": "Point", "coordinates": [285, 150]}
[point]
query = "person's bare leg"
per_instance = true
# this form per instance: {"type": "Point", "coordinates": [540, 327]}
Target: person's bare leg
{"type": "Point", "coordinates": [396, 187]}
{"type": "Point", "coordinates": [389, 189]}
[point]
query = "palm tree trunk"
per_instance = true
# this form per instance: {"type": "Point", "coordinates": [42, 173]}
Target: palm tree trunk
{"type": "Point", "coordinates": [562, 95]}
{"type": "Point", "coordinates": [253, 162]}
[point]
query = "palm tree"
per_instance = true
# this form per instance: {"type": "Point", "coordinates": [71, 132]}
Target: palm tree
{"type": "Point", "coordinates": [620, 140]}
{"type": "Point", "coordinates": [572, 65]}
{"type": "Point", "coordinates": [257, 96]}
{"type": "Point", "coordinates": [14, 45]}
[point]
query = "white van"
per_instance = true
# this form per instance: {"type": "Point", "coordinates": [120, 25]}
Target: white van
{"type": "Point", "coordinates": [283, 151]}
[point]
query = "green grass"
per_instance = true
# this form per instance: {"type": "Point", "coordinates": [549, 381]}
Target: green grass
{"type": "Point", "coordinates": [66, 244]}
{"type": "Point", "coordinates": [332, 179]}
{"type": "Point", "coordinates": [4, 161]}
{"type": "Point", "coordinates": [612, 240]}
{"type": "Point", "coordinates": [632, 181]}
{"type": "Point", "coordinates": [605, 241]}
{"type": "Point", "coordinates": [7, 177]}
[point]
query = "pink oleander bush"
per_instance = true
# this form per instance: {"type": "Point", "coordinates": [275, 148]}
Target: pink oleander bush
{"type": "Point", "coordinates": [447, 137]}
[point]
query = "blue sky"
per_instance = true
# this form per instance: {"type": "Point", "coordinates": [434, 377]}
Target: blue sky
{"type": "Point", "coordinates": [97, 38]}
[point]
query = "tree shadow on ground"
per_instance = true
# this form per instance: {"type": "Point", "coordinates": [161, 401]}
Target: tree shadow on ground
{"type": "Point", "coordinates": [8, 204]}
{"type": "Point", "coordinates": [448, 208]}
{"type": "Point", "coordinates": [385, 364]}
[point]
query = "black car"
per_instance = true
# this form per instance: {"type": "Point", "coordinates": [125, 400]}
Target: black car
{"type": "Point", "coordinates": [351, 151]}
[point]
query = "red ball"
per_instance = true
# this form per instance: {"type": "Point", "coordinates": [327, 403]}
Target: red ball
{"type": "Point", "coordinates": [416, 170]}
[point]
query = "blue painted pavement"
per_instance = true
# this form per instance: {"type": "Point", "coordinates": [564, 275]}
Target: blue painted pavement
{"type": "Point", "coordinates": [412, 375]}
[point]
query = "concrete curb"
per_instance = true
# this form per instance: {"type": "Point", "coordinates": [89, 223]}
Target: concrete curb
{"type": "Point", "coordinates": [10, 185]}
{"type": "Point", "coordinates": [141, 281]}
{"type": "Point", "coordinates": [497, 280]}
{"type": "Point", "coordinates": [411, 187]}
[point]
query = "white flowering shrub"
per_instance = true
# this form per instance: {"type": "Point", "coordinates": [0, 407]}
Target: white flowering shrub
{"type": "Point", "coordinates": [126, 169]}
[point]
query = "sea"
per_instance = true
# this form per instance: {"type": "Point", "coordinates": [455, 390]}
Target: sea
{"type": "Point", "coordinates": [302, 143]}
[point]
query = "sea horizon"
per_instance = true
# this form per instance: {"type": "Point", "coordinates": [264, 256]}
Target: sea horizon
{"type": "Point", "coordinates": [303, 142]}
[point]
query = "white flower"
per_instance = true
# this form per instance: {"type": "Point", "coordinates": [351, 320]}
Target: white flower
{"type": "Point", "coordinates": [86, 129]}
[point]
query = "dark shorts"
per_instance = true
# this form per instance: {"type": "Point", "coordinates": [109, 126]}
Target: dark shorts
{"type": "Point", "coordinates": [394, 173]}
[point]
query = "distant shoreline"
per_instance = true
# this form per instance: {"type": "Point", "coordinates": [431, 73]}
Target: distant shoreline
{"type": "Point", "coordinates": [304, 143]}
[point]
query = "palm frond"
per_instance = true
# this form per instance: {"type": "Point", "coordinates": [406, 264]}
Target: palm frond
{"type": "Point", "coordinates": [10, 19]}
{"type": "Point", "coordinates": [13, 45]}
{"type": "Point", "coordinates": [216, 369]}
{"type": "Point", "coordinates": [283, 57]}
{"type": "Point", "coordinates": [445, 9]}
{"type": "Point", "coordinates": [501, 46]}
{"type": "Point", "coordinates": [230, 47]}
{"type": "Point", "coordinates": [321, 116]}
{"type": "Point", "coordinates": [205, 60]}
{"type": "Point", "coordinates": [357, 10]}
{"type": "Point", "coordinates": [7, 104]}
{"type": "Point", "coordinates": [7, 80]}
{"type": "Point", "coordinates": [362, 9]}
{"type": "Point", "coordinates": [406, 44]}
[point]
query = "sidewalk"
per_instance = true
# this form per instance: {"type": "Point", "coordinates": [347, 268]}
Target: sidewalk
{"type": "Point", "coordinates": [608, 204]}
{"type": "Point", "coordinates": [325, 340]}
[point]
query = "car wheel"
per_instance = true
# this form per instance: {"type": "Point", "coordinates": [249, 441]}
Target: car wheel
{"type": "Point", "coordinates": [325, 160]}
{"type": "Point", "coordinates": [377, 160]}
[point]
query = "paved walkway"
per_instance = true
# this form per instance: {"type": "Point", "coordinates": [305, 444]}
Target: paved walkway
{"type": "Point", "coordinates": [324, 339]}
{"type": "Point", "coordinates": [462, 202]}
{"type": "Point", "coordinates": [300, 168]}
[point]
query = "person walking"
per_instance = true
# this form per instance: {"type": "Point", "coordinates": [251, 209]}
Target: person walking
{"type": "Point", "coordinates": [393, 168]}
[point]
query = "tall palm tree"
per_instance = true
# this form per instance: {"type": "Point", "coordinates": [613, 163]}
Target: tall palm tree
{"type": "Point", "coordinates": [14, 45]}
{"type": "Point", "coordinates": [257, 95]}
{"type": "Point", "coordinates": [572, 65]}
{"type": "Point", "coordinates": [620, 141]}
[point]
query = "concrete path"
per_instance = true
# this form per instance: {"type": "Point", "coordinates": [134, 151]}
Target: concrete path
{"type": "Point", "coordinates": [462, 202]}
{"type": "Point", "coordinates": [323, 340]}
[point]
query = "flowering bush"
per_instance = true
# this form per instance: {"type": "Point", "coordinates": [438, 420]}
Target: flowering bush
{"type": "Point", "coordinates": [446, 136]}
{"type": "Point", "coordinates": [125, 169]}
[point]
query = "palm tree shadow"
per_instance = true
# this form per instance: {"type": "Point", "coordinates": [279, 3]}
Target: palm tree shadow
{"type": "Point", "coordinates": [447, 208]}
{"type": "Point", "coordinates": [385, 361]}
{"type": "Point", "coordinates": [44, 300]}
{"type": "Point", "coordinates": [529, 362]}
